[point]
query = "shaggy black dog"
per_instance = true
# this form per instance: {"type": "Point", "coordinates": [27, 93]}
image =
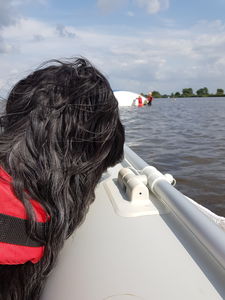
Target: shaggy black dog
{"type": "Point", "coordinates": [60, 131]}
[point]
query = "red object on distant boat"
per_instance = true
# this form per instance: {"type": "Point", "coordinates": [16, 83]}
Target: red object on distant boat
{"type": "Point", "coordinates": [140, 103]}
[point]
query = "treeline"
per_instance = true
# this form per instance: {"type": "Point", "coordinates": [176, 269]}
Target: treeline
{"type": "Point", "coordinates": [188, 93]}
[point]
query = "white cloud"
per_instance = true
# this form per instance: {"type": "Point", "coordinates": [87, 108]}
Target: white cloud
{"type": "Point", "coordinates": [130, 13]}
{"type": "Point", "coordinates": [7, 13]}
{"type": "Point", "coordinates": [64, 32]}
{"type": "Point", "coordinates": [5, 48]}
{"type": "Point", "coordinates": [26, 28]}
{"type": "Point", "coordinates": [164, 60]}
{"type": "Point", "coordinates": [9, 10]}
{"type": "Point", "coordinates": [2, 83]}
{"type": "Point", "coordinates": [151, 6]}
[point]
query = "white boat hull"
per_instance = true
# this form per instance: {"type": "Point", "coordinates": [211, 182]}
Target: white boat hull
{"type": "Point", "coordinates": [125, 98]}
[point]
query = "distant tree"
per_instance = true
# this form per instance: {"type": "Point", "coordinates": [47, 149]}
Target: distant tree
{"type": "Point", "coordinates": [156, 94]}
{"type": "Point", "coordinates": [172, 95]}
{"type": "Point", "coordinates": [202, 92]}
{"type": "Point", "coordinates": [187, 92]}
{"type": "Point", "coordinates": [177, 95]}
{"type": "Point", "coordinates": [165, 96]}
{"type": "Point", "coordinates": [220, 92]}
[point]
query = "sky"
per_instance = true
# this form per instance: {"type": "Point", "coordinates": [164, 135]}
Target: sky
{"type": "Point", "coordinates": [139, 45]}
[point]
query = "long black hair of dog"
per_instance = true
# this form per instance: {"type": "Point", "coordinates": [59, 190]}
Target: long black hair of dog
{"type": "Point", "coordinates": [60, 131]}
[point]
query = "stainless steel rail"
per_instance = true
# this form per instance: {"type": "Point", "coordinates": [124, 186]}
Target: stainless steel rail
{"type": "Point", "coordinates": [207, 232]}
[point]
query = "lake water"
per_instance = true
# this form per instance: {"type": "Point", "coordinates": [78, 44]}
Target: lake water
{"type": "Point", "coordinates": [184, 137]}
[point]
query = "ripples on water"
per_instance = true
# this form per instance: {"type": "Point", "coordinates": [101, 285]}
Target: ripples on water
{"type": "Point", "coordinates": [186, 138]}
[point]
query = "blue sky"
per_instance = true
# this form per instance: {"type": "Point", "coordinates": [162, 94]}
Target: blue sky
{"type": "Point", "coordinates": [140, 45]}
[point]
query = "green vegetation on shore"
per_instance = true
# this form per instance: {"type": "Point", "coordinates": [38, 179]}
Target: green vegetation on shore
{"type": "Point", "coordinates": [188, 93]}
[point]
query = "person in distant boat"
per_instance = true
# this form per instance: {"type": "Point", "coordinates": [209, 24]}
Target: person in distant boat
{"type": "Point", "coordinates": [140, 102]}
{"type": "Point", "coordinates": [149, 98]}
{"type": "Point", "coordinates": [60, 131]}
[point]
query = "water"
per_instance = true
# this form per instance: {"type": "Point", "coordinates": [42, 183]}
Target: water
{"type": "Point", "coordinates": [184, 137]}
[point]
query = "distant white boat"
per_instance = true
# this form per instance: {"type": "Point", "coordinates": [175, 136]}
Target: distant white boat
{"type": "Point", "coordinates": [126, 98]}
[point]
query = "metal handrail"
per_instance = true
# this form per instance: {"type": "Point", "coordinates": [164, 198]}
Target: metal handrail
{"type": "Point", "coordinates": [207, 231]}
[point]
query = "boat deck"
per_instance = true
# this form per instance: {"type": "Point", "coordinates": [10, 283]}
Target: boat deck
{"type": "Point", "coordinates": [146, 257]}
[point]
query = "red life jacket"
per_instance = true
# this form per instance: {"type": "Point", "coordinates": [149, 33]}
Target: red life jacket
{"type": "Point", "coordinates": [16, 247]}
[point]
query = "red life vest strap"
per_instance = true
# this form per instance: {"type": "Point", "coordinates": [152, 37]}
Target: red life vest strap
{"type": "Point", "coordinates": [13, 230]}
